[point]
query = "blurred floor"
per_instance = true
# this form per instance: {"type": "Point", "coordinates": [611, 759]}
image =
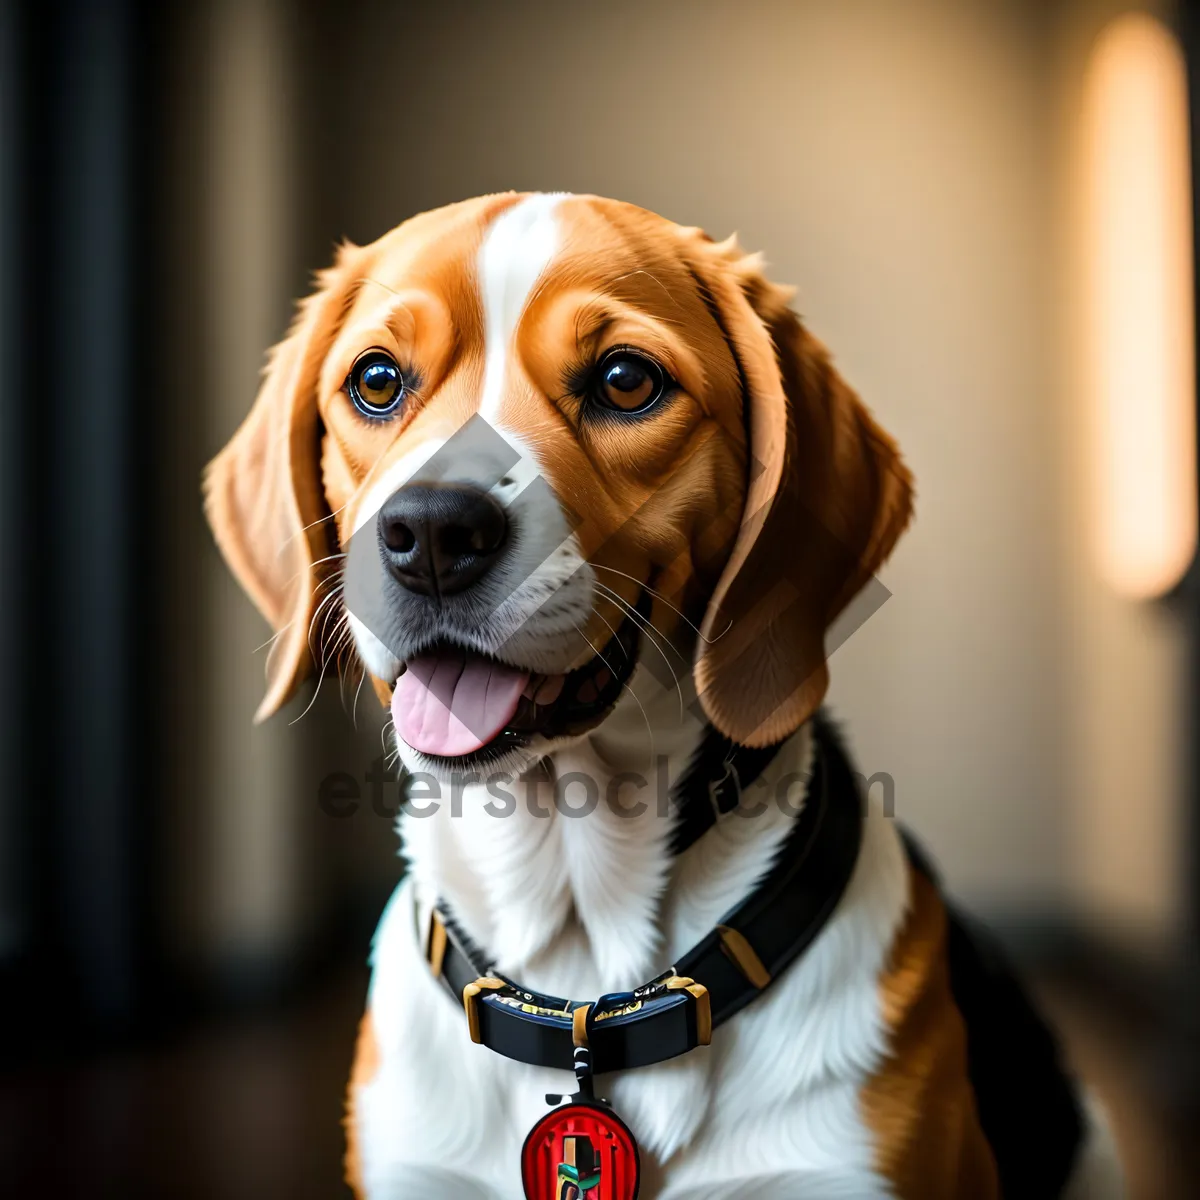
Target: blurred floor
{"type": "Point", "coordinates": [236, 1111]}
{"type": "Point", "coordinates": [253, 1110]}
{"type": "Point", "coordinates": [1121, 1053]}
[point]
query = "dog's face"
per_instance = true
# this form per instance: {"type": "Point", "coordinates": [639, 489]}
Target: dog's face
{"type": "Point", "coordinates": [524, 442]}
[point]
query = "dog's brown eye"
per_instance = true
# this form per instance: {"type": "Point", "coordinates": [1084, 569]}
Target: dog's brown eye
{"type": "Point", "coordinates": [375, 384]}
{"type": "Point", "coordinates": [629, 382]}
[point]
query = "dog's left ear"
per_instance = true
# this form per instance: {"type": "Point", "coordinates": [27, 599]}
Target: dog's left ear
{"type": "Point", "coordinates": [828, 496]}
{"type": "Point", "coordinates": [264, 495]}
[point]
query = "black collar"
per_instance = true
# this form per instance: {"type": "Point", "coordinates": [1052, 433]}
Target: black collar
{"type": "Point", "coordinates": [713, 784]}
{"type": "Point", "coordinates": [750, 947]}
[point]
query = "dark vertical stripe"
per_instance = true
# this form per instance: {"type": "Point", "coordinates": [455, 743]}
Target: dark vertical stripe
{"type": "Point", "coordinates": [71, 485]}
{"type": "Point", "coordinates": [89, 513]}
{"type": "Point", "coordinates": [15, 898]}
{"type": "Point", "coordinates": [1184, 1052]}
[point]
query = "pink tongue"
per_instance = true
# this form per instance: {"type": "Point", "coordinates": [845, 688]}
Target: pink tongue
{"type": "Point", "coordinates": [454, 702]}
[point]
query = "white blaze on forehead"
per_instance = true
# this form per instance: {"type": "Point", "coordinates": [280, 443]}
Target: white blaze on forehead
{"type": "Point", "coordinates": [515, 252]}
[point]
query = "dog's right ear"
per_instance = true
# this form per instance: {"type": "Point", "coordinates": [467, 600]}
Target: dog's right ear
{"type": "Point", "coordinates": [827, 497]}
{"type": "Point", "coordinates": [263, 493]}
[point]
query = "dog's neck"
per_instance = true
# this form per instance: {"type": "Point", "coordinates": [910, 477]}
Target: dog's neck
{"type": "Point", "coordinates": [586, 897]}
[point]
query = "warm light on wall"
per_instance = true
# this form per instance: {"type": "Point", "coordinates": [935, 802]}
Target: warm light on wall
{"type": "Point", "coordinates": [1139, 320]}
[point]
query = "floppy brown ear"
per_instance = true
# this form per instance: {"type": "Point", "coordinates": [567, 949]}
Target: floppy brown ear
{"type": "Point", "coordinates": [264, 496]}
{"type": "Point", "coordinates": [828, 496]}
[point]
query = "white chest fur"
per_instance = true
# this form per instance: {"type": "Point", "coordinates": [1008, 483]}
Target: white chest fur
{"type": "Point", "coordinates": [579, 906]}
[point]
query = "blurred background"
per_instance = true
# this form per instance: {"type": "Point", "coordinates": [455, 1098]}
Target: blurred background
{"type": "Point", "coordinates": [987, 208]}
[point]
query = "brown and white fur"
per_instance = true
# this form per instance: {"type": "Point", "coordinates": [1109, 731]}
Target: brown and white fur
{"type": "Point", "coordinates": [755, 505]}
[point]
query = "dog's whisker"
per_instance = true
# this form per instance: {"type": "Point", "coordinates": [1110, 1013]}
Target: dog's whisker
{"type": "Point", "coordinates": [346, 660]}
{"type": "Point", "coordinates": [312, 624]}
{"type": "Point", "coordinates": [345, 656]}
{"type": "Point", "coordinates": [337, 640]}
{"type": "Point", "coordinates": [330, 558]}
{"type": "Point", "coordinates": [311, 525]}
{"type": "Point", "coordinates": [362, 678]}
{"type": "Point", "coordinates": [313, 639]}
{"type": "Point", "coordinates": [274, 637]}
{"type": "Point", "coordinates": [341, 622]}
{"type": "Point", "coordinates": [326, 657]}
{"type": "Point", "coordinates": [645, 717]}
{"type": "Point", "coordinates": [329, 587]}
{"type": "Point", "coordinates": [334, 591]}
{"type": "Point", "coordinates": [674, 607]}
{"type": "Point", "coordinates": [316, 693]}
{"type": "Point", "coordinates": [643, 621]}
{"type": "Point", "coordinates": [328, 647]}
{"type": "Point", "coordinates": [332, 659]}
{"type": "Point", "coordinates": [275, 643]}
{"type": "Point", "coordinates": [323, 577]}
{"type": "Point", "coordinates": [611, 630]}
{"type": "Point", "coordinates": [638, 619]}
{"type": "Point", "coordinates": [328, 517]}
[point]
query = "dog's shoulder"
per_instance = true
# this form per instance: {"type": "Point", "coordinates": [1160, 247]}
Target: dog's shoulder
{"type": "Point", "coordinates": [919, 1103]}
{"type": "Point", "coordinates": [972, 1097]}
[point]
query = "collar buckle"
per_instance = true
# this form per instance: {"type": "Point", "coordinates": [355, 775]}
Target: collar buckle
{"type": "Point", "coordinates": [717, 789]}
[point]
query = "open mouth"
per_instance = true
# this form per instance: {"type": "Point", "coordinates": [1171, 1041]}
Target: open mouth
{"type": "Point", "coordinates": [454, 703]}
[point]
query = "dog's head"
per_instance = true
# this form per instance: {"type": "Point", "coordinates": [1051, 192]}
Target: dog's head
{"type": "Point", "coordinates": [523, 442]}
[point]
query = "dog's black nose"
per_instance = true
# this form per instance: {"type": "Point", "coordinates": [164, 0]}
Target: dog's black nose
{"type": "Point", "coordinates": [439, 538]}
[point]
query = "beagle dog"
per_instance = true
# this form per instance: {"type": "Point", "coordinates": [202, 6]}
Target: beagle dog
{"type": "Point", "coordinates": [585, 496]}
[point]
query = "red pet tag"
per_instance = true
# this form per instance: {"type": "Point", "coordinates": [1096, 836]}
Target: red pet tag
{"type": "Point", "coordinates": [580, 1151]}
